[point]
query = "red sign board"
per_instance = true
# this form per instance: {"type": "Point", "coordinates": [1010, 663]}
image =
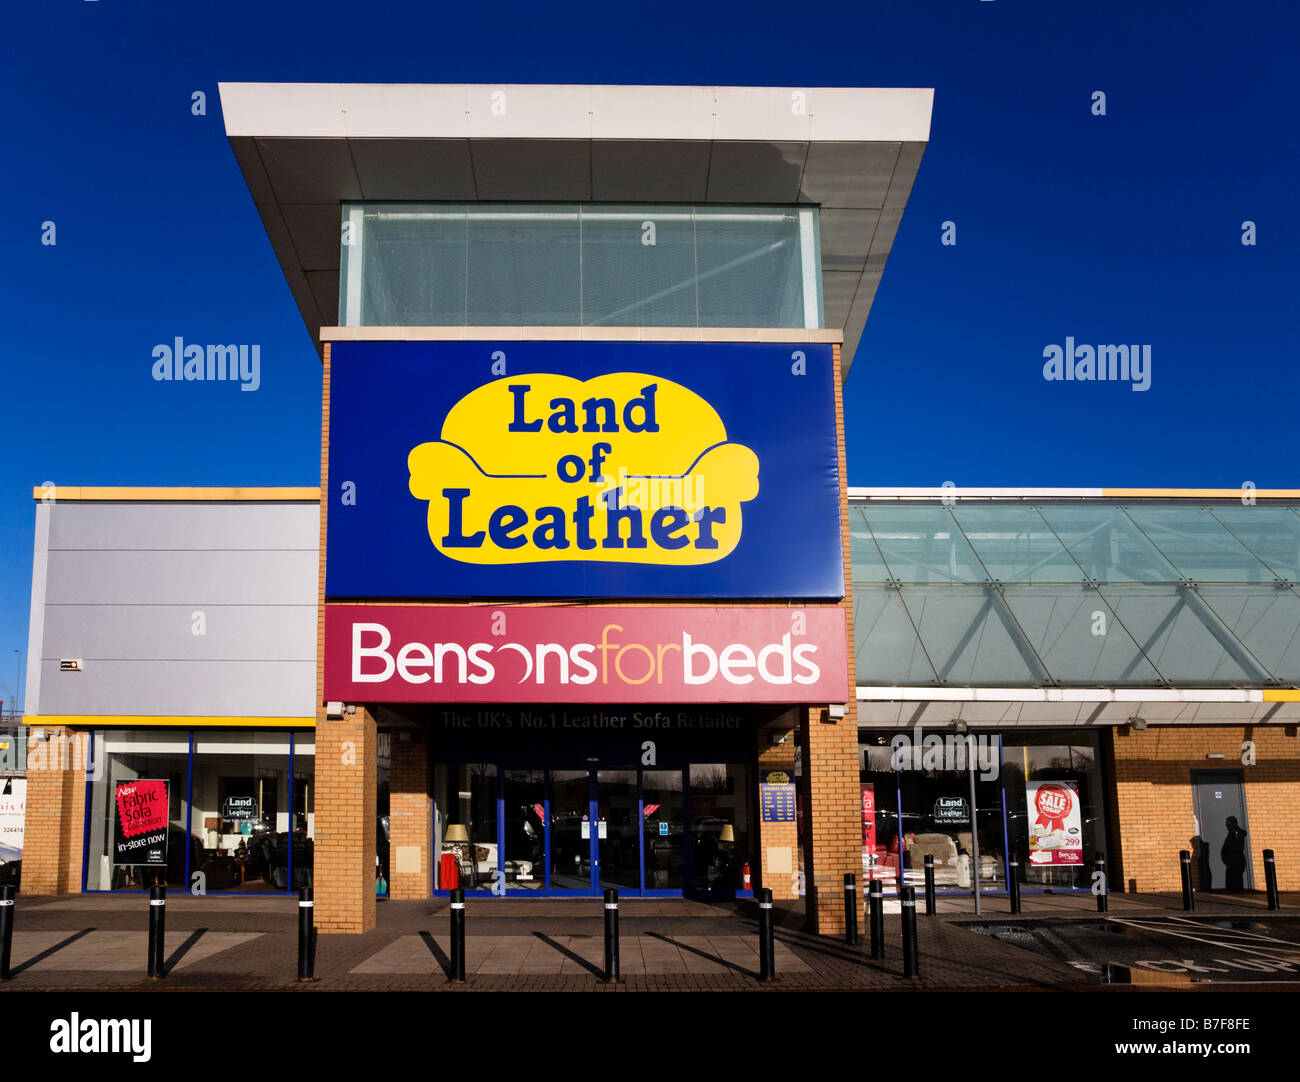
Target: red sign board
{"type": "Point", "coordinates": [539, 654]}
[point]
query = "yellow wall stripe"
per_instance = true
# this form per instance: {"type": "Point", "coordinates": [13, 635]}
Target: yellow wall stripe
{"type": "Point", "coordinates": [82, 492]}
{"type": "Point", "coordinates": [135, 721]}
{"type": "Point", "coordinates": [1201, 493]}
{"type": "Point", "coordinates": [1282, 695]}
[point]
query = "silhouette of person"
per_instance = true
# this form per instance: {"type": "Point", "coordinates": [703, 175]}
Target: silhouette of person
{"type": "Point", "coordinates": [1234, 855]}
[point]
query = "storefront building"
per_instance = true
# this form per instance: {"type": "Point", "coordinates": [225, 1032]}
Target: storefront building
{"type": "Point", "coordinates": [580, 602]}
{"type": "Point", "coordinates": [1096, 672]}
{"type": "Point", "coordinates": [584, 600]}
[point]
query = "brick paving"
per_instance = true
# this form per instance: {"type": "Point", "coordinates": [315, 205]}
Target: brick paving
{"type": "Point", "coordinates": [87, 942]}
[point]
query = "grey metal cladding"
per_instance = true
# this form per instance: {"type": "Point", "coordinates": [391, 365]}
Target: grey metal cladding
{"type": "Point", "coordinates": [177, 525]}
{"type": "Point", "coordinates": [186, 688]}
{"type": "Point", "coordinates": [176, 608]}
{"type": "Point", "coordinates": [107, 577]}
{"type": "Point", "coordinates": [181, 632]}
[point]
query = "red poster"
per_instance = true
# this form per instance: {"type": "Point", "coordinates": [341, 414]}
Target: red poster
{"type": "Point", "coordinates": [570, 654]}
{"type": "Point", "coordinates": [868, 819]}
{"type": "Point", "coordinates": [142, 807]}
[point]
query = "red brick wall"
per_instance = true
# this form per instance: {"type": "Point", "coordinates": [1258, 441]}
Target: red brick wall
{"type": "Point", "coordinates": [1154, 804]}
{"type": "Point", "coordinates": [54, 829]}
{"type": "Point", "coordinates": [410, 810]}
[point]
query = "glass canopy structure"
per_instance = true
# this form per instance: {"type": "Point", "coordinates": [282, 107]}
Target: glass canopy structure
{"type": "Point", "coordinates": [1079, 594]}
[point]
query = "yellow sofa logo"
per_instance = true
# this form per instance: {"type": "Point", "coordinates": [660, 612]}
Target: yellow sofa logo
{"type": "Point", "coordinates": [621, 468]}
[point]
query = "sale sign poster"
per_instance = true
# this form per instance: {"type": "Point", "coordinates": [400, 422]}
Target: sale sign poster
{"type": "Point", "coordinates": [140, 825]}
{"type": "Point", "coordinates": [1055, 823]}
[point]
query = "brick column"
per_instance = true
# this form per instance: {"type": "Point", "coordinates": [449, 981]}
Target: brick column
{"type": "Point", "coordinates": [54, 830]}
{"type": "Point", "coordinates": [410, 808]}
{"type": "Point", "coordinates": [347, 751]}
{"type": "Point", "coordinates": [778, 843]}
{"type": "Point", "coordinates": [830, 760]}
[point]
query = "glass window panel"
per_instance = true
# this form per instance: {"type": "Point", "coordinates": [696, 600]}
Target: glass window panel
{"type": "Point", "coordinates": [123, 756]}
{"type": "Point", "coordinates": [524, 266]}
{"type": "Point", "coordinates": [1016, 545]}
{"type": "Point", "coordinates": [1271, 533]}
{"type": "Point", "coordinates": [1040, 757]}
{"type": "Point", "coordinates": [1184, 649]}
{"type": "Point", "coordinates": [552, 264]}
{"type": "Point", "coordinates": [627, 282]}
{"type": "Point", "coordinates": [867, 564]}
{"type": "Point", "coordinates": [749, 267]}
{"type": "Point", "coordinates": [664, 824]}
{"type": "Point", "coordinates": [525, 824]}
{"type": "Point", "coordinates": [1107, 544]}
{"type": "Point", "coordinates": [465, 807]}
{"type": "Point", "coordinates": [1266, 620]}
{"type": "Point", "coordinates": [1078, 638]}
{"type": "Point", "coordinates": [719, 825]}
{"type": "Point", "coordinates": [886, 645]}
{"type": "Point", "coordinates": [1197, 544]}
{"type": "Point", "coordinates": [413, 266]}
{"type": "Point", "coordinates": [304, 796]}
{"type": "Point", "coordinates": [967, 637]}
{"type": "Point", "coordinates": [881, 846]}
{"type": "Point", "coordinates": [242, 835]}
{"type": "Point", "coordinates": [923, 544]}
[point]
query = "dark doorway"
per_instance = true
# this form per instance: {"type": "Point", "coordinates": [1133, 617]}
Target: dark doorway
{"type": "Point", "coordinates": [1219, 800]}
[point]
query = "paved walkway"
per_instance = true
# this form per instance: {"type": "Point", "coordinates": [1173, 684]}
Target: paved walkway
{"type": "Point", "coordinates": [99, 942]}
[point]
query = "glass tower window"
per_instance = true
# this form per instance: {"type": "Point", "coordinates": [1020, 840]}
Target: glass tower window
{"type": "Point", "coordinates": [439, 265]}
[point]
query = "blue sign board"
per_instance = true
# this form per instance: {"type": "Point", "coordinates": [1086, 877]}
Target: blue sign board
{"type": "Point", "coordinates": [583, 469]}
{"type": "Point", "coordinates": [663, 830]}
{"type": "Point", "coordinates": [777, 802]}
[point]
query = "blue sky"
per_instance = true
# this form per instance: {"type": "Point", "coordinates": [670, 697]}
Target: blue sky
{"type": "Point", "coordinates": [1122, 228]}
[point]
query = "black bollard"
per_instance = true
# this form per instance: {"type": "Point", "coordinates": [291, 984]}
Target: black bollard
{"type": "Point", "coordinates": [766, 937]}
{"type": "Point", "coordinates": [611, 937]}
{"type": "Point", "coordinates": [1013, 884]}
{"type": "Point", "coordinates": [1185, 859]}
{"type": "Point", "coordinates": [876, 901]}
{"type": "Point", "coordinates": [1099, 870]}
{"type": "Point", "coordinates": [458, 935]}
{"type": "Point", "coordinates": [929, 885]}
{"type": "Point", "coordinates": [157, 930]}
{"type": "Point", "coordinates": [1270, 881]}
{"type": "Point", "coordinates": [306, 933]}
{"type": "Point", "coordinates": [6, 928]}
{"type": "Point", "coordinates": [907, 897]}
{"type": "Point", "coordinates": [850, 908]}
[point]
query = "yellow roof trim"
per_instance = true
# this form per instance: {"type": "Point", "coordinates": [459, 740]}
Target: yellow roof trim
{"type": "Point", "coordinates": [1203, 493]}
{"type": "Point", "coordinates": [135, 721]}
{"type": "Point", "coordinates": [1282, 695]}
{"type": "Point", "coordinates": [55, 493]}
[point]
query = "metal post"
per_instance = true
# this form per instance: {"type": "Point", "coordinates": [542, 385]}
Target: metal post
{"type": "Point", "coordinates": [974, 821]}
{"type": "Point", "coordinates": [611, 936]}
{"type": "Point", "coordinates": [458, 934]}
{"type": "Point", "coordinates": [850, 908]}
{"type": "Point", "coordinates": [1185, 859]}
{"type": "Point", "coordinates": [907, 896]}
{"type": "Point", "coordinates": [929, 885]}
{"type": "Point", "coordinates": [1270, 881]}
{"type": "Point", "coordinates": [876, 900]}
{"type": "Point", "coordinates": [157, 930]}
{"type": "Point", "coordinates": [6, 928]}
{"type": "Point", "coordinates": [306, 922]}
{"type": "Point", "coordinates": [1103, 890]}
{"type": "Point", "coordinates": [1014, 886]}
{"type": "Point", "coordinates": [766, 938]}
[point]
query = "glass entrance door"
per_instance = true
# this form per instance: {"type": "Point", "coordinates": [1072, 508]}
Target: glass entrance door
{"type": "Point", "coordinates": [618, 833]}
{"type": "Point", "coordinates": [571, 856]}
